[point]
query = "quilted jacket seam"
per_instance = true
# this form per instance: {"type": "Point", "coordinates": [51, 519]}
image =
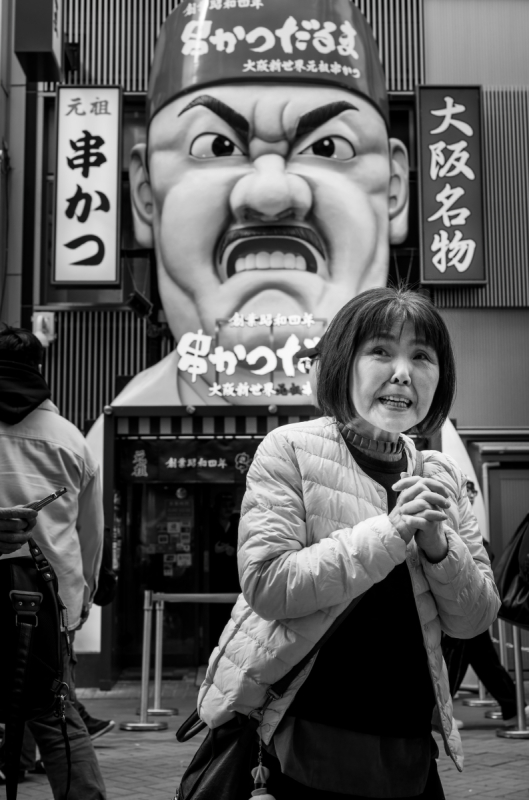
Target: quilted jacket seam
{"type": "Point", "coordinates": [262, 456]}
{"type": "Point", "coordinates": [263, 504]}
{"type": "Point", "coordinates": [337, 491]}
{"type": "Point", "coordinates": [320, 455]}
{"type": "Point", "coordinates": [267, 650]}
{"type": "Point", "coordinates": [344, 523]}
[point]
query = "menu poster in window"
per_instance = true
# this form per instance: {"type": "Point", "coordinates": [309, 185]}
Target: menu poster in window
{"type": "Point", "coordinates": [450, 185]}
{"type": "Point", "coordinates": [87, 185]}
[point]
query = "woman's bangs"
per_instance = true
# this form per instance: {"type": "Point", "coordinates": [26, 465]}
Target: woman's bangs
{"type": "Point", "coordinates": [377, 323]}
{"type": "Point", "coordinates": [427, 327]}
{"type": "Point", "coordinates": [382, 321]}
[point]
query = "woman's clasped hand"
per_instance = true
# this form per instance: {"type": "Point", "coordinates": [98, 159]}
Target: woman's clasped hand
{"type": "Point", "coordinates": [419, 512]}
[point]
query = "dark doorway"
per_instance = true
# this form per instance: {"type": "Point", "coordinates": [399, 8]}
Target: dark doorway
{"type": "Point", "coordinates": [178, 538]}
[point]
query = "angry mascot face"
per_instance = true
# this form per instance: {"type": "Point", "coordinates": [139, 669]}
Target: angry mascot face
{"type": "Point", "coordinates": [268, 184]}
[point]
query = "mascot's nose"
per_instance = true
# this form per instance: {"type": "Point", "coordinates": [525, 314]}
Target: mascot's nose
{"type": "Point", "coordinates": [270, 193]}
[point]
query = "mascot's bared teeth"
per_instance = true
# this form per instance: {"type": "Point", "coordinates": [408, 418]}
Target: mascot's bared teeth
{"type": "Point", "coordinates": [276, 260]}
{"type": "Point", "coordinates": [266, 253]}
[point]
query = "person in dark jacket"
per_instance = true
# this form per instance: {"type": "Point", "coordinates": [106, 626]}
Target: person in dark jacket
{"type": "Point", "coordinates": [40, 452]}
{"type": "Point", "coordinates": [480, 654]}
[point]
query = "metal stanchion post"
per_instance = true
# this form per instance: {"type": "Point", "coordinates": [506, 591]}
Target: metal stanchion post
{"type": "Point", "coordinates": [519, 732]}
{"type": "Point", "coordinates": [502, 636]}
{"type": "Point", "coordinates": [496, 713]}
{"type": "Point", "coordinates": [482, 701]}
{"type": "Point", "coordinates": [143, 724]}
{"type": "Point", "coordinates": [157, 710]}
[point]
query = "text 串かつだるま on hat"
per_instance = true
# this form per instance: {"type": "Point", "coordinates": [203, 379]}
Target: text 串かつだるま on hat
{"type": "Point", "coordinates": [227, 41]}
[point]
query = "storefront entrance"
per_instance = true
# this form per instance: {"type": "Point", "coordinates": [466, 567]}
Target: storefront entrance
{"type": "Point", "coordinates": [179, 536]}
{"type": "Point", "coordinates": [173, 482]}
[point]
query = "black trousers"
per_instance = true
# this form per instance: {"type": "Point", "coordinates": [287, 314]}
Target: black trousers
{"type": "Point", "coordinates": [481, 655]}
{"type": "Point", "coordinates": [284, 788]}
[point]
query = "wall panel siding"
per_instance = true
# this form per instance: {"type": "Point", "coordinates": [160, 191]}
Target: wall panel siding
{"type": "Point", "coordinates": [506, 205]}
{"type": "Point", "coordinates": [398, 29]}
{"type": "Point", "coordinates": [476, 42]}
{"type": "Point", "coordinates": [490, 347]}
{"type": "Point", "coordinates": [117, 37]}
{"type": "Point", "coordinates": [92, 348]}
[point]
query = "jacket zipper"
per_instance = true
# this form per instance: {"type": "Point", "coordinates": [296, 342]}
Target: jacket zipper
{"type": "Point", "coordinates": [437, 703]}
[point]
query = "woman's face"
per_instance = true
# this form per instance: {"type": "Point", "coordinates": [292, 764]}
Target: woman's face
{"type": "Point", "coordinates": [392, 382]}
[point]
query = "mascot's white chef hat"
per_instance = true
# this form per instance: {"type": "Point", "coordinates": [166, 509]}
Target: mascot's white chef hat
{"type": "Point", "coordinates": [207, 42]}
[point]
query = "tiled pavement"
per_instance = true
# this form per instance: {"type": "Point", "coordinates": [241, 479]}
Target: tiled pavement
{"type": "Point", "coordinates": [147, 766]}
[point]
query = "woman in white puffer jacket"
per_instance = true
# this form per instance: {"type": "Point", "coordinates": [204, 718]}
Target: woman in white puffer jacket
{"type": "Point", "coordinates": [332, 511]}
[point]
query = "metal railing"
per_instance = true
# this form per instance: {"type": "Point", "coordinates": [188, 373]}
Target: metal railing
{"type": "Point", "coordinates": [156, 601]}
{"type": "Point", "coordinates": [520, 730]}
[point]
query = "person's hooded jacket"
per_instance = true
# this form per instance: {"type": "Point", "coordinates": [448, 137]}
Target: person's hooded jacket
{"type": "Point", "coordinates": [314, 534]}
{"type": "Point", "coordinates": [40, 452]}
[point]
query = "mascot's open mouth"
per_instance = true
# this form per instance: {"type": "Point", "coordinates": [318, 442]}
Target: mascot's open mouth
{"type": "Point", "coordinates": [285, 247]}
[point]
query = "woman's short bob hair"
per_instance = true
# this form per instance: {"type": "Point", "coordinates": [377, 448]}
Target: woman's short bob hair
{"type": "Point", "coordinates": [375, 313]}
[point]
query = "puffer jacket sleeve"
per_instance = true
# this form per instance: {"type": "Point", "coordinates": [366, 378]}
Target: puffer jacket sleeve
{"type": "Point", "coordinates": [282, 574]}
{"type": "Point", "coordinates": [462, 584]}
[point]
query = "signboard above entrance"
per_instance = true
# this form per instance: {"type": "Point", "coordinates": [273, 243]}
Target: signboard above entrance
{"type": "Point", "coordinates": [186, 460]}
{"type": "Point", "coordinates": [269, 369]}
{"type": "Point", "coordinates": [451, 193]}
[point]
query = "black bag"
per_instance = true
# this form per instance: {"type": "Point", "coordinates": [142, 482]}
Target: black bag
{"type": "Point", "coordinates": [221, 767]}
{"type": "Point", "coordinates": [31, 672]}
{"type": "Point", "coordinates": [511, 574]}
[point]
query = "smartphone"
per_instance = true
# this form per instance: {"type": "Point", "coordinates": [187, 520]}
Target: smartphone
{"type": "Point", "coordinates": [38, 504]}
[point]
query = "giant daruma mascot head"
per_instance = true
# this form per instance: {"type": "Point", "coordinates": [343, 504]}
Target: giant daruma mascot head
{"type": "Point", "coordinates": [268, 183]}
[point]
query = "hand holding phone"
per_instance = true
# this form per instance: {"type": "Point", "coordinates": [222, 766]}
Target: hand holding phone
{"type": "Point", "coordinates": [38, 504]}
{"type": "Point", "coordinates": [16, 524]}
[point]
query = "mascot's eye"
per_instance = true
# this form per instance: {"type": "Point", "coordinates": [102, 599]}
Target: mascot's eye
{"type": "Point", "coordinates": [214, 145]}
{"type": "Point", "coordinates": [331, 147]}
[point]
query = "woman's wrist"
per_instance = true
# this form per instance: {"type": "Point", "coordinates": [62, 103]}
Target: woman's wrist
{"type": "Point", "coordinates": [437, 551]}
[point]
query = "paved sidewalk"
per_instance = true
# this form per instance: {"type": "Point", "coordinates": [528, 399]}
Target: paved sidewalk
{"type": "Point", "coordinates": [148, 766]}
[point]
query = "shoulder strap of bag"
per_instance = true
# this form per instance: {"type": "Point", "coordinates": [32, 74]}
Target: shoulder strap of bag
{"type": "Point", "coordinates": [26, 606]}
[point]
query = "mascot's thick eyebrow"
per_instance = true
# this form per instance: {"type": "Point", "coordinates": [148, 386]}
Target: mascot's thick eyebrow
{"type": "Point", "coordinates": [307, 122]}
{"type": "Point", "coordinates": [235, 120]}
{"type": "Point", "coordinates": [319, 116]}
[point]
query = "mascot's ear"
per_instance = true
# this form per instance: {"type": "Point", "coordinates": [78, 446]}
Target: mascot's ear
{"type": "Point", "coordinates": [398, 192]}
{"type": "Point", "coordinates": [141, 196]}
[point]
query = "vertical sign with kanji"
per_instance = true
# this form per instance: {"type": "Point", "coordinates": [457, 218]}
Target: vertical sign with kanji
{"type": "Point", "coordinates": [87, 191]}
{"type": "Point", "coordinates": [450, 185]}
